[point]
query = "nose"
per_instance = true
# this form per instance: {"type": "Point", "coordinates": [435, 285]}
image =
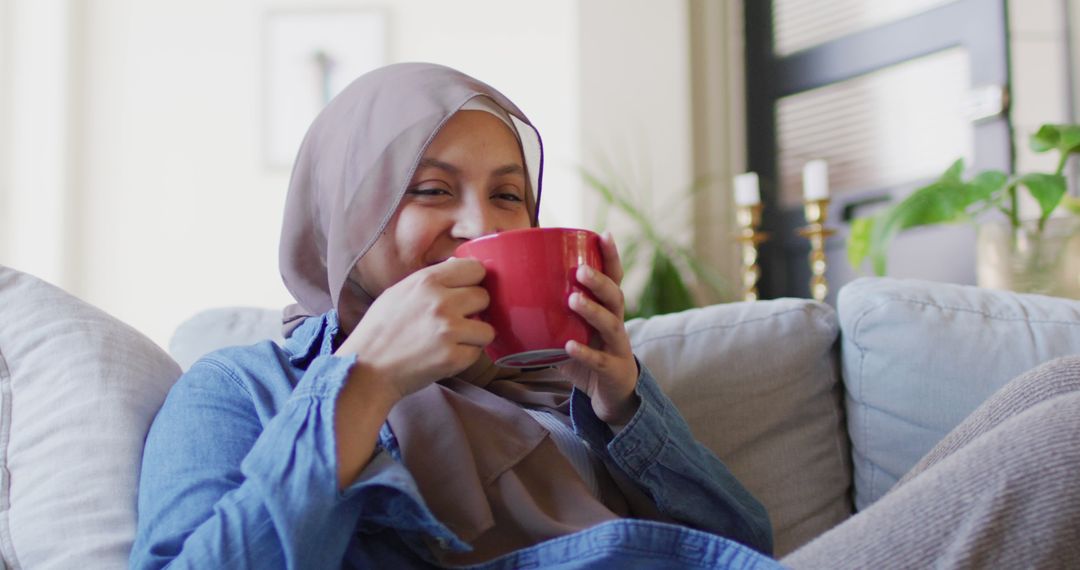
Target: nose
{"type": "Point", "coordinates": [475, 219]}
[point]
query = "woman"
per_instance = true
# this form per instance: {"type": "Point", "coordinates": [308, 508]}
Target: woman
{"type": "Point", "coordinates": [379, 436]}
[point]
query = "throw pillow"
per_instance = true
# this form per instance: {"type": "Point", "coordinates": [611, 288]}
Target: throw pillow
{"type": "Point", "coordinates": [78, 390]}
{"type": "Point", "coordinates": [918, 357]}
{"type": "Point", "coordinates": [758, 383]}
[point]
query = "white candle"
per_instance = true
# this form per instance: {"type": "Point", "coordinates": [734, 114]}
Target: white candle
{"type": "Point", "coordinates": [815, 179]}
{"type": "Point", "coordinates": [746, 190]}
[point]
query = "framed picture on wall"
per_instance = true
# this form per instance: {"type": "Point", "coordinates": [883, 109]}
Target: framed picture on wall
{"type": "Point", "coordinates": [309, 57]}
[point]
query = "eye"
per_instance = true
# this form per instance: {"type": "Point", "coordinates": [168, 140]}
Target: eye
{"type": "Point", "coordinates": [431, 191]}
{"type": "Point", "coordinates": [508, 193]}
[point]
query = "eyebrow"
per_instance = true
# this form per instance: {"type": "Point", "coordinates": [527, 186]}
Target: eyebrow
{"type": "Point", "coordinates": [500, 171]}
{"type": "Point", "coordinates": [508, 169]}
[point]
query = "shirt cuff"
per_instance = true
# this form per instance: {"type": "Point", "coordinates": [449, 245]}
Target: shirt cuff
{"type": "Point", "coordinates": [638, 442]}
{"type": "Point", "coordinates": [384, 492]}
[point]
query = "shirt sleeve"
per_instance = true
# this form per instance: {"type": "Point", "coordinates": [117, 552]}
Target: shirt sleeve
{"type": "Point", "coordinates": [218, 489]}
{"type": "Point", "coordinates": [657, 451]}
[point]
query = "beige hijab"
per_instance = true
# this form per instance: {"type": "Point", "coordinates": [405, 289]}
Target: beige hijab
{"type": "Point", "coordinates": [484, 467]}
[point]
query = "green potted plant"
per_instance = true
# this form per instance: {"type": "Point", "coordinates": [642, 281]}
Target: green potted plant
{"type": "Point", "coordinates": [1032, 254]}
{"type": "Point", "coordinates": [671, 267]}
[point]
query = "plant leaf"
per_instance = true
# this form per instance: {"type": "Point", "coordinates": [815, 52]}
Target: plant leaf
{"type": "Point", "coordinates": [665, 292]}
{"type": "Point", "coordinates": [1047, 190]}
{"type": "Point", "coordinates": [881, 233]}
{"type": "Point", "coordinates": [1070, 139]}
{"type": "Point", "coordinates": [1044, 139]}
{"type": "Point", "coordinates": [858, 242]}
{"type": "Point", "coordinates": [987, 183]}
{"type": "Point", "coordinates": [1071, 204]}
{"type": "Point", "coordinates": [943, 201]}
{"type": "Point", "coordinates": [1064, 138]}
{"type": "Point", "coordinates": [704, 273]}
{"type": "Point", "coordinates": [614, 196]}
{"type": "Point", "coordinates": [954, 172]}
{"type": "Point", "coordinates": [665, 288]}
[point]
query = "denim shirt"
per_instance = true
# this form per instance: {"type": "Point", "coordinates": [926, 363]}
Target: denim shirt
{"type": "Point", "coordinates": [240, 471]}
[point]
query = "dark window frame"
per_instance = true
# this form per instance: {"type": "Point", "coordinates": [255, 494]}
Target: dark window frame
{"type": "Point", "coordinates": [978, 25]}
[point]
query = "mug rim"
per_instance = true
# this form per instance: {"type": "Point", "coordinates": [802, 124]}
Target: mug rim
{"type": "Point", "coordinates": [561, 230]}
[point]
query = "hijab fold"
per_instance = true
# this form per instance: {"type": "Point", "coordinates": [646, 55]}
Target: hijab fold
{"type": "Point", "coordinates": [484, 467]}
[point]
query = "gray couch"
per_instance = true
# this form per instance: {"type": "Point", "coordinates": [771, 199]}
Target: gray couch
{"type": "Point", "coordinates": [817, 411]}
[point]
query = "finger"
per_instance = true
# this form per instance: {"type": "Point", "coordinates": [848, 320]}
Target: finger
{"type": "Point", "coordinates": [457, 272]}
{"type": "Point", "coordinates": [606, 291]}
{"type": "Point", "coordinates": [612, 263]}
{"type": "Point", "coordinates": [474, 332]}
{"type": "Point", "coordinates": [594, 359]}
{"type": "Point", "coordinates": [463, 356]}
{"type": "Point", "coordinates": [611, 328]}
{"type": "Point", "coordinates": [467, 301]}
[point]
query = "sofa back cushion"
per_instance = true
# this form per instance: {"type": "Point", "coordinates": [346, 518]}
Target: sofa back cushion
{"type": "Point", "coordinates": [759, 385]}
{"type": "Point", "coordinates": [918, 357]}
{"type": "Point", "coordinates": [757, 382]}
{"type": "Point", "coordinates": [219, 327]}
{"type": "Point", "coordinates": [78, 390]}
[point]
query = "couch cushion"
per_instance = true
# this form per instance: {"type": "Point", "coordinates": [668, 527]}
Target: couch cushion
{"type": "Point", "coordinates": [216, 328]}
{"type": "Point", "coordinates": [78, 390]}
{"type": "Point", "coordinates": [918, 357]}
{"type": "Point", "coordinates": [758, 383]}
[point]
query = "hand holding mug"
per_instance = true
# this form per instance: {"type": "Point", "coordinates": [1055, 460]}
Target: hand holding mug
{"type": "Point", "coordinates": [555, 298]}
{"type": "Point", "coordinates": [530, 276]}
{"type": "Point", "coordinates": [419, 330]}
{"type": "Point", "coordinates": [607, 371]}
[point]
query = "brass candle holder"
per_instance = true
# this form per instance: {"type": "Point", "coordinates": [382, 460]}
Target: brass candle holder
{"type": "Point", "coordinates": [748, 218]}
{"type": "Point", "coordinates": [817, 212]}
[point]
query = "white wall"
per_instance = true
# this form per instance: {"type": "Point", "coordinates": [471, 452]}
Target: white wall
{"type": "Point", "coordinates": [1040, 90]}
{"type": "Point", "coordinates": [5, 124]}
{"type": "Point", "coordinates": [174, 209]}
{"type": "Point", "coordinates": [719, 128]}
{"type": "Point", "coordinates": [636, 108]}
{"type": "Point", "coordinates": [34, 180]}
{"type": "Point", "coordinates": [164, 205]}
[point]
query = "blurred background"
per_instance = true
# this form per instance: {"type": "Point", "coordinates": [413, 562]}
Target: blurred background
{"type": "Point", "coordinates": [145, 146]}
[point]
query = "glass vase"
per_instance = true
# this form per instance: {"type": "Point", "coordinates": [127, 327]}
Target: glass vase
{"type": "Point", "coordinates": [1026, 260]}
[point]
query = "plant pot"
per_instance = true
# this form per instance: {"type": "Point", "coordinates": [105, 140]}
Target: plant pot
{"type": "Point", "coordinates": [1027, 261]}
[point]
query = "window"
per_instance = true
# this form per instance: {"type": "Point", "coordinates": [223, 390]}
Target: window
{"type": "Point", "coordinates": [884, 92]}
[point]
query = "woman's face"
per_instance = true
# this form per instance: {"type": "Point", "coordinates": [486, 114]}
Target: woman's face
{"type": "Point", "coordinates": [470, 182]}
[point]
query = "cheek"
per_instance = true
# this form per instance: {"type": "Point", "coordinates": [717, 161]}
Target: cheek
{"type": "Point", "coordinates": [414, 234]}
{"type": "Point", "coordinates": [518, 219]}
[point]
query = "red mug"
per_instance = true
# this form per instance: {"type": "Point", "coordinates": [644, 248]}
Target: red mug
{"type": "Point", "coordinates": [530, 276]}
